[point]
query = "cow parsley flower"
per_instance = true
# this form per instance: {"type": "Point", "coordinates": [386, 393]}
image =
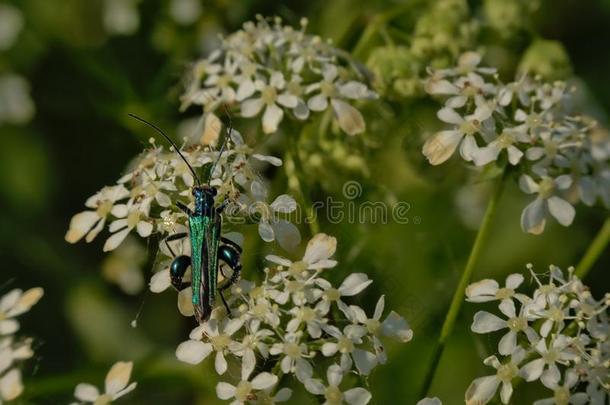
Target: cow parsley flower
{"type": "Point", "coordinates": [116, 385]}
{"type": "Point", "coordinates": [273, 68]}
{"type": "Point", "coordinates": [566, 346]}
{"type": "Point", "coordinates": [528, 124]}
{"type": "Point", "coordinates": [14, 350]}
{"type": "Point", "coordinates": [265, 326]}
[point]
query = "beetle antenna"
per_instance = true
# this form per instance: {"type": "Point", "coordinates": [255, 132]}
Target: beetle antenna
{"type": "Point", "coordinates": [224, 143]}
{"type": "Point", "coordinates": [156, 128]}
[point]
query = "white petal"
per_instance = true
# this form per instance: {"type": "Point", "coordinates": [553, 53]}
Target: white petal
{"type": "Point", "coordinates": [334, 375]}
{"type": "Point", "coordinates": [284, 203]}
{"type": "Point", "coordinates": [379, 308]}
{"type": "Point", "coordinates": [469, 149]}
{"type": "Point", "coordinates": [396, 326]}
{"type": "Point", "coordinates": [193, 351]}
{"type": "Point", "coordinates": [357, 396]}
{"type": "Point", "coordinates": [563, 182]}
{"type": "Point", "coordinates": [506, 392]}
{"type": "Point", "coordinates": [86, 392]}
{"type": "Point", "coordinates": [354, 284]}
{"type": "Point", "coordinates": [429, 401]}
{"type": "Point", "coordinates": [508, 343]}
{"type": "Point", "coordinates": [532, 217]}
{"type": "Point", "coordinates": [532, 370]}
{"type": "Point", "coordinates": [484, 322]}
{"type": "Point", "coordinates": [10, 385]}
{"type": "Point", "coordinates": [562, 210]}
{"type": "Point", "coordinates": [115, 240]}
{"type": "Point", "coordinates": [441, 146]}
{"type": "Point", "coordinates": [246, 89]}
{"type": "Point", "coordinates": [329, 349]}
{"type": "Point", "coordinates": [271, 118]}
{"type": "Point", "coordinates": [144, 229]}
{"type": "Point", "coordinates": [118, 377]}
{"type": "Point", "coordinates": [482, 390]}
{"type": "Point", "coordinates": [287, 100]}
{"type": "Point", "coordinates": [449, 116]}
{"type": "Point", "coordinates": [315, 386]}
{"type": "Point", "coordinates": [252, 107]}
{"type": "Point", "coordinates": [225, 391]}
{"type": "Point", "coordinates": [514, 155]}
{"type": "Point", "coordinates": [265, 231]}
{"type": "Point", "coordinates": [507, 307]}
{"type": "Point", "coordinates": [160, 281]}
{"type": "Point", "coordinates": [365, 361]}
{"type": "Point", "coordinates": [8, 326]}
{"type": "Point", "coordinates": [441, 87]}
{"type": "Point", "coordinates": [320, 247]}
{"type": "Point", "coordinates": [220, 363]}
{"type": "Point", "coordinates": [528, 185]}
{"type": "Point", "coordinates": [482, 291]}
{"type": "Point", "coordinates": [318, 102]}
{"type": "Point", "coordinates": [248, 364]}
{"type": "Point", "coordinates": [263, 381]}
{"type": "Point", "coordinates": [286, 234]}
{"type": "Point", "coordinates": [283, 395]}
{"type": "Point", "coordinates": [26, 301]}
{"type": "Point", "coordinates": [349, 118]}
{"type": "Point", "coordinates": [80, 224]}
{"type": "Point", "coordinates": [514, 280]}
{"type": "Point", "coordinates": [185, 302]}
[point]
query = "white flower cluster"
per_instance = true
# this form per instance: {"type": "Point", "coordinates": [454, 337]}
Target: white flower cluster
{"type": "Point", "coordinates": [526, 125]}
{"type": "Point", "coordinates": [292, 319]}
{"type": "Point", "coordinates": [559, 336]}
{"type": "Point", "coordinates": [116, 386]}
{"type": "Point", "coordinates": [142, 200]}
{"type": "Point", "coordinates": [14, 350]}
{"type": "Point", "coordinates": [276, 69]}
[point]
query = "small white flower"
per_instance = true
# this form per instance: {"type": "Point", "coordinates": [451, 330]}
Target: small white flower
{"type": "Point", "coordinates": [116, 386]}
{"type": "Point", "coordinates": [533, 217]}
{"type": "Point", "coordinates": [489, 290]}
{"type": "Point", "coordinates": [345, 343]}
{"type": "Point", "coordinates": [485, 322]}
{"type": "Point", "coordinates": [562, 394]}
{"type": "Point", "coordinates": [353, 284]}
{"type": "Point", "coordinates": [317, 255]}
{"type": "Point", "coordinates": [15, 303]}
{"type": "Point", "coordinates": [545, 368]}
{"type": "Point", "coordinates": [483, 389]}
{"type": "Point", "coordinates": [442, 145]}
{"type": "Point", "coordinates": [333, 395]}
{"type": "Point", "coordinates": [131, 216]}
{"type": "Point", "coordinates": [245, 390]}
{"type": "Point", "coordinates": [293, 356]}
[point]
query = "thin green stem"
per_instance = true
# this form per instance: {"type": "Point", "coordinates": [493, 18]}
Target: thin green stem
{"type": "Point", "coordinates": [458, 296]}
{"type": "Point", "coordinates": [294, 168]}
{"type": "Point", "coordinates": [596, 248]}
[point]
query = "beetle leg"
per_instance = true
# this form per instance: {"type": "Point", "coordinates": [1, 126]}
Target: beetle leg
{"type": "Point", "coordinates": [184, 208]}
{"type": "Point", "coordinates": [171, 238]}
{"type": "Point", "coordinates": [230, 255]}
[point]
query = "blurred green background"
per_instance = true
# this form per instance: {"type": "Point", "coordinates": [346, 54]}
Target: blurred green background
{"type": "Point", "coordinates": [84, 64]}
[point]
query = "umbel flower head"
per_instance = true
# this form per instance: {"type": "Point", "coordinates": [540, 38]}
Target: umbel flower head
{"type": "Point", "coordinates": [14, 350]}
{"type": "Point", "coordinates": [558, 336]}
{"type": "Point", "coordinates": [143, 199]}
{"type": "Point", "coordinates": [271, 69]}
{"type": "Point", "coordinates": [527, 125]}
{"type": "Point", "coordinates": [291, 320]}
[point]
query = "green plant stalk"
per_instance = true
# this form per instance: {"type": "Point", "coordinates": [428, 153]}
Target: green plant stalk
{"type": "Point", "coordinates": [293, 167]}
{"type": "Point", "coordinates": [458, 295]}
{"type": "Point", "coordinates": [596, 248]}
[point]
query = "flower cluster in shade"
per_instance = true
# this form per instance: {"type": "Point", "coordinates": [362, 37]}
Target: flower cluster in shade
{"type": "Point", "coordinates": [557, 336]}
{"type": "Point", "coordinates": [143, 200]}
{"type": "Point", "coordinates": [526, 126]}
{"type": "Point", "coordinates": [271, 69]}
{"type": "Point", "coordinates": [14, 350]}
{"type": "Point", "coordinates": [283, 325]}
{"type": "Point", "coordinates": [116, 385]}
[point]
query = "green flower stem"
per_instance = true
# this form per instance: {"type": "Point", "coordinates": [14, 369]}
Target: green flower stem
{"type": "Point", "coordinates": [294, 170]}
{"type": "Point", "coordinates": [596, 248]}
{"type": "Point", "coordinates": [458, 296]}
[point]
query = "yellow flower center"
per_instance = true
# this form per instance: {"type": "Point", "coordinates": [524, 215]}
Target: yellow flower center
{"type": "Point", "coordinates": [261, 309]}
{"type": "Point", "coordinates": [504, 293]}
{"type": "Point", "coordinates": [517, 324]}
{"type": "Point", "coordinates": [269, 94]}
{"type": "Point", "coordinates": [505, 139]}
{"type": "Point", "coordinates": [345, 345]}
{"type": "Point", "coordinates": [372, 325]}
{"type": "Point", "coordinates": [546, 186]}
{"type": "Point", "coordinates": [294, 286]}
{"type": "Point", "coordinates": [242, 391]}
{"type": "Point", "coordinates": [470, 127]}
{"type": "Point", "coordinates": [551, 356]}
{"type": "Point", "coordinates": [507, 372]}
{"type": "Point", "coordinates": [533, 121]}
{"type": "Point", "coordinates": [297, 268]}
{"type": "Point", "coordinates": [220, 342]}
{"type": "Point", "coordinates": [307, 314]}
{"type": "Point", "coordinates": [328, 88]}
{"type": "Point", "coordinates": [333, 395]}
{"type": "Point", "coordinates": [104, 208]}
{"type": "Point", "coordinates": [562, 396]}
{"type": "Point", "coordinates": [292, 350]}
{"type": "Point", "coordinates": [332, 294]}
{"type": "Point", "coordinates": [133, 218]}
{"type": "Point", "coordinates": [104, 399]}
